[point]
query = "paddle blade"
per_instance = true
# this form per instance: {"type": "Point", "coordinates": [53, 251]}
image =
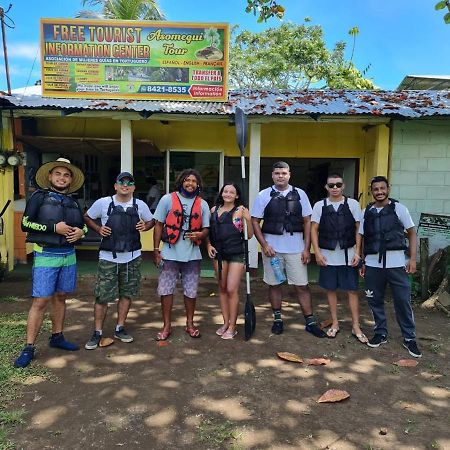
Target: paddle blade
{"type": "Point", "coordinates": [250, 318]}
{"type": "Point", "coordinates": [240, 119]}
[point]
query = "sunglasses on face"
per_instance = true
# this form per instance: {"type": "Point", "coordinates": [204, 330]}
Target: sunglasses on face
{"type": "Point", "coordinates": [125, 183]}
{"type": "Point", "coordinates": [334, 185]}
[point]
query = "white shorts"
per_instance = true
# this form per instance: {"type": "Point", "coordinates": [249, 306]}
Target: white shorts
{"type": "Point", "coordinates": [291, 263]}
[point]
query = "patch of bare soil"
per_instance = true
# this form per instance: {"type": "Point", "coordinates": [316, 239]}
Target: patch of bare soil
{"type": "Point", "coordinates": [209, 393]}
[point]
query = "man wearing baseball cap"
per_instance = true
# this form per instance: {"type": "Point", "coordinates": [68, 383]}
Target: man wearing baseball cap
{"type": "Point", "coordinates": [54, 222]}
{"type": "Point", "coordinates": [123, 217]}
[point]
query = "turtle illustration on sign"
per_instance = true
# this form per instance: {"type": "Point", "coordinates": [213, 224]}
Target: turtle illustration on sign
{"type": "Point", "coordinates": [212, 52]}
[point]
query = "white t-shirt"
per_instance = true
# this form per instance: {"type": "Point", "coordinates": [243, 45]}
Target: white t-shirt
{"type": "Point", "coordinates": [153, 193]}
{"type": "Point", "coordinates": [99, 210]}
{"type": "Point", "coordinates": [283, 243]}
{"type": "Point", "coordinates": [394, 258]}
{"type": "Point", "coordinates": [336, 257]}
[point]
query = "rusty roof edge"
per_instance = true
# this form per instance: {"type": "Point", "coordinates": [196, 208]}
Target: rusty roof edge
{"type": "Point", "coordinates": [313, 103]}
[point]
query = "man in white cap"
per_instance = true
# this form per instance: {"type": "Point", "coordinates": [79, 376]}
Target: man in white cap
{"type": "Point", "coordinates": [54, 222]}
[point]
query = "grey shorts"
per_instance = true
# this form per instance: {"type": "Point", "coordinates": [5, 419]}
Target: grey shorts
{"type": "Point", "coordinates": [291, 264]}
{"type": "Point", "coordinates": [171, 271]}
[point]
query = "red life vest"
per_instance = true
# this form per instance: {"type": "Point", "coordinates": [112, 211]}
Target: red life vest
{"type": "Point", "coordinates": [174, 220]}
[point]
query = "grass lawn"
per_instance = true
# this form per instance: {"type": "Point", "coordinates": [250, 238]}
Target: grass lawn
{"type": "Point", "coordinates": [12, 332]}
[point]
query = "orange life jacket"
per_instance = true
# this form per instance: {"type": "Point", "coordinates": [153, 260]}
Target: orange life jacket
{"type": "Point", "coordinates": [174, 220]}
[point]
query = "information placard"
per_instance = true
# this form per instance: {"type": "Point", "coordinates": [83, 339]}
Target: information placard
{"type": "Point", "coordinates": [145, 60]}
{"type": "Point", "coordinates": [435, 227]}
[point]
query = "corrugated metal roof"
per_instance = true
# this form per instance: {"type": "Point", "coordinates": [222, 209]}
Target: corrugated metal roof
{"type": "Point", "coordinates": [313, 103]}
{"type": "Point", "coordinates": [425, 82]}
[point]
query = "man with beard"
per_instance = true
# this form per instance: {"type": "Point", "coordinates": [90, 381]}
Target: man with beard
{"type": "Point", "coordinates": [54, 222]}
{"type": "Point", "coordinates": [383, 228]}
{"type": "Point", "coordinates": [182, 222]}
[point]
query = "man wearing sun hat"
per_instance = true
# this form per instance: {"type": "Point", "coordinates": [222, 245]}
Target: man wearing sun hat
{"type": "Point", "coordinates": [54, 222]}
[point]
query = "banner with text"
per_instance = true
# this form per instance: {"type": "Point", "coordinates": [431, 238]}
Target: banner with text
{"type": "Point", "coordinates": [134, 60]}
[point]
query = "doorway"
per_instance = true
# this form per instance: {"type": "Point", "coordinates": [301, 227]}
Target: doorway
{"type": "Point", "coordinates": [208, 163]}
{"type": "Point", "coordinates": [310, 174]}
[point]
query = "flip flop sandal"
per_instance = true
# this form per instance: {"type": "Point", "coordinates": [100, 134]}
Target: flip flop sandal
{"type": "Point", "coordinates": [221, 330]}
{"type": "Point", "coordinates": [193, 332]}
{"type": "Point", "coordinates": [229, 334]}
{"type": "Point", "coordinates": [332, 332]}
{"type": "Point", "coordinates": [361, 337]}
{"type": "Point", "coordinates": [163, 335]}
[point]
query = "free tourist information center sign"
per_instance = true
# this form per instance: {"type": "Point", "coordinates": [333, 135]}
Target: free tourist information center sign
{"type": "Point", "coordinates": [134, 60]}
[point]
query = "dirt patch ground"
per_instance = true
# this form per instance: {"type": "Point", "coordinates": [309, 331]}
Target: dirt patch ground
{"type": "Point", "coordinates": [208, 393]}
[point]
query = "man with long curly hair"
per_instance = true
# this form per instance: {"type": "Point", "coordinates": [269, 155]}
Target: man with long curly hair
{"type": "Point", "coordinates": [182, 222]}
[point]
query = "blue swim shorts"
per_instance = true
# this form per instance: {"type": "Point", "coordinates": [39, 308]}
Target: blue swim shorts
{"type": "Point", "coordinates": [54, 272]}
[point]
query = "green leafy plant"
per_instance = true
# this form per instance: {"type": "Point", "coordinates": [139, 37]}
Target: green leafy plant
{"type": "Point", "coordinates": [410, 426]}
{"type": "Point", "coordinates": [265, 9]}
{"type": "Point", "coordinates": [435, 348]}
{"type": "Point", "coordinates": [9, 299]}
{"type": "Point", "coordinates": [442, 5]}
{"type": "Point", "coordinates": [12, 418]}
{"type": "Point", "coordinates": [216, 433]}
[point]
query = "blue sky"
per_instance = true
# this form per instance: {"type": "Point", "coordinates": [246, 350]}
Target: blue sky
{"type": "Point", "coordinates": [397, 37]}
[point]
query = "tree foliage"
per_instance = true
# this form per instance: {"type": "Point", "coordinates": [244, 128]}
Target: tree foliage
{"type": "Point", "coordinates": [291, 57]}
{"type": "Point", "coordinates": [442, 5]}
{"type": "Point", "coordinates": [122, 10]}
{"type": "Point", "coordinates": [265, 9]}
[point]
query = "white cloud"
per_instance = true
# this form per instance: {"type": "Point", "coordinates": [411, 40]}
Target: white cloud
{"type": "Point", "coordinates": [15, 70]}
{"type": "Point", "coordinates": [20, 75]}
{"type": "Point", "coordinates": [24, 50]}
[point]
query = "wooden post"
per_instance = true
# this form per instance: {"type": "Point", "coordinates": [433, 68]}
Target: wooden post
{"type": "Point", "coordinates": [424, 280]}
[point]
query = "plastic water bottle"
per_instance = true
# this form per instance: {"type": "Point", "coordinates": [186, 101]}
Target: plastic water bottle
{"type": "Point", "coordinates": [277, 270]}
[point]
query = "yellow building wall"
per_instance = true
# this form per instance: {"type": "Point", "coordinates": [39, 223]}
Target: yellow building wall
{"type": "Point", "coordinates": [312, 140]}
{"type": "Point", "coordinates": [7, 193]}
{"type": "Point", "coordinates": [295, 139]}
{"type": "Point", "coordinates": [375, 160]}
{"type": "Point", "coordinates": [73, 126]}
{"type": "Point", "coordinates": [370, 145]}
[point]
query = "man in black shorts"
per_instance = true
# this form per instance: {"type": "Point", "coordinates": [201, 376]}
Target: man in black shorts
{"type": "Point", "coordinates": [336, 242]}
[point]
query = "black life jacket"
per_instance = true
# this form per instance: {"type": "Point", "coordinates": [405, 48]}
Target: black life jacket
{"type": "Point", "coordinates": [336, 226]}
{"type": "Point", "coordinates": [55, 208]}
{"type": "Point", "coordinates": [283, 213]}
{"type": "Point", "coordinates": [124, 236]}
{"type": "Point", "coordinates": [224, 235]}
{"type": "Point", "coordinates": [383, 230]}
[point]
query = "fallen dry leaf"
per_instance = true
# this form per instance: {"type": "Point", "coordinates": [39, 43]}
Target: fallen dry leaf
{"type": "Point", "coordinates": [318, 361]}
{"type": "Point", "coordinates": [106, 342]}
{"type": "Point", "coordinates": [406, 363]}
{"type": "Point", "coordinates": [333, 395]}
{"type": "Point", "coordinates": [162, 344]}
{"type": "Point", "coordinates": [326, 323]}
{"type": "Point", "coordinates": [290, 357]}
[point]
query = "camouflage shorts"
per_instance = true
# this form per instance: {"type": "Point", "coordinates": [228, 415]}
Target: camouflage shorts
{"type": "Point", "coordinates": [117, 280]}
